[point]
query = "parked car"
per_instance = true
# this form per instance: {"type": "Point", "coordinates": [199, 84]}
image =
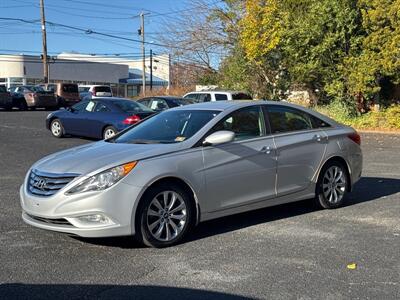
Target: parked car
{"type": "Point", "coordinates": [207, 96]}
{"type": "Point", "coordinates": [99, 118]}
{"type": "Point", "coordinates": [6, 101]}
{"type": "Point", "coordinates": [95, 91]}
{"type": "Point", "coordinates": [18, 99]}
{"type": "Point", "coordinates": [67, 93]}
{"type": "Point", "coordinates": [189, 164]}
{"type": "Point", "coordinates": [36, 96]}
{"type": "Point", "coordinates": [160, 103]}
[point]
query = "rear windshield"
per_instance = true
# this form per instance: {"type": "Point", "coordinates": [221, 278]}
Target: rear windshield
{"type": "Point", "coordinates": [70, 88]}
{"type": "Point", "coordinates": [102, 89]}
{"type": "Point", "coordinates": [131, 106]}
{"type": "Point", "coordinates": [83, 89]}
{"type": "Point", "coordinates": [241, 96]}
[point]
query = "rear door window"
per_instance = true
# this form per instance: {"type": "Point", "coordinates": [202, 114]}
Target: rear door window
{"type": "Point", "coordinates": [101, 107]}
{"type": "Point", "coordinates": [221, 97]}
{"type": "Point", "coordinates": [287, 119]}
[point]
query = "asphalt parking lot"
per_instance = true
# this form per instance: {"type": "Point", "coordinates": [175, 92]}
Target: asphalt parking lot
{"type": "Point", "coordinates": [285, 252]}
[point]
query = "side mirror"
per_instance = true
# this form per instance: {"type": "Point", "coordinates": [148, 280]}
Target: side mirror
{"type": "Point", "coordinates": [219, 137]}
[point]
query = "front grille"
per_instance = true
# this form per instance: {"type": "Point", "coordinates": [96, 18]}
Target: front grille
{"type": "Point", "coordinates": [47, 184]}
{"type": "Point", "coordinates": [50, 221]}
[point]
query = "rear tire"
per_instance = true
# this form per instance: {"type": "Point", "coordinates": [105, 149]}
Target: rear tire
{"type": "Point", "coordinates": [56, 128]}
{"type": "Point", "coordinates": [332, 185]}
{"type": "Point", "coordinates": [109, 132]}
{"type": "Point", "coordinates": [165, 215]}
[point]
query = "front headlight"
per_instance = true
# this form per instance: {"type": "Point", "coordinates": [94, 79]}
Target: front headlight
{"type": "Point", "coordinates": [103, 180]}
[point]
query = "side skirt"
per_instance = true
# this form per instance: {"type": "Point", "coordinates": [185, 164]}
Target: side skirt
{"type": "Point", "coordinates": [307, 194]}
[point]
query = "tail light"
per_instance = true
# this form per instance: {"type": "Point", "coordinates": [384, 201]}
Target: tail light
{"type": "Point", "coordinates": [355, 137]}
{"type": "Point", "coordinates": [131, 120]}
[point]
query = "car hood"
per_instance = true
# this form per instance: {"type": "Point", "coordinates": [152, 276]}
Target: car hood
{"type": "Point", "coordinates": [100, 156]}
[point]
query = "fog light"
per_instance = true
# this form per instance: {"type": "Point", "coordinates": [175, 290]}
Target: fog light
{"type": "Point", "coordinates": [91, 220]}
{"type": "Point", "coordinates": [95, 219]}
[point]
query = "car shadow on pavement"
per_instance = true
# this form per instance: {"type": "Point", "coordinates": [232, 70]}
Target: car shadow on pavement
{"type": "Point", "coordinates": [366, 189]}
{"type": "Point", "coordinates": [96, 291]}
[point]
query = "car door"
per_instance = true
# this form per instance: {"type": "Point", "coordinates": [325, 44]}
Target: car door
{"type": "Point", "coordinates": [3, 96]}
{"type": "Point", "coordinates": [99, 118]}
{"type": "Point", "coordinates": [77, 121]}
{"type": "Point", "coordinates": [300, 147]}
{"type": "Point", "coordinates": [243, 171]}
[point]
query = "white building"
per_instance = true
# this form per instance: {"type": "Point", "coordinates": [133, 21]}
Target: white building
{"type": "Point", "coordinates": [123, 75]}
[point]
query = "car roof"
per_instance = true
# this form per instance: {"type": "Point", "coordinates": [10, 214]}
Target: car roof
{"type": "Point", "coordinates": [163, 97]}
{"type": "Point", "coordinates": [111, 99]}
{"type": "Point", "coordinates": [219, 105]}
{"type": "Point", "coordinates": [218, 91]}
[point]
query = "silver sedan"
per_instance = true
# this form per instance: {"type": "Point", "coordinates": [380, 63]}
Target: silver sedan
{"type": "Point", "coordinates": [159, 178]}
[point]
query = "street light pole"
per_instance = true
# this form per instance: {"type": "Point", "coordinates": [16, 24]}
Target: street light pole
{"type": "Point", "coordinates": [44, 42]}
{"type": "Point", "coordinates": [151, 69]}
{"type": "Point", "coordinates": [143, 55]}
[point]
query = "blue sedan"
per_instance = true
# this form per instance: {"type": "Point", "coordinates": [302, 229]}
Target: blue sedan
{"type": "Point", "coordinates": [98, 118]}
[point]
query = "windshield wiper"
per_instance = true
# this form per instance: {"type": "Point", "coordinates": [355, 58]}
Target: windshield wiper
{"type": "Point", "coordinates": [143, 142]}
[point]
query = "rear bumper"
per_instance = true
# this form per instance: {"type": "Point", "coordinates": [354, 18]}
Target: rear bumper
{"type": "Point", "coordinates": [42, 102]}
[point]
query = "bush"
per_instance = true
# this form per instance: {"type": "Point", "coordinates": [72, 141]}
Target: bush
{"type": "Point", "coordinates": [388, 118]}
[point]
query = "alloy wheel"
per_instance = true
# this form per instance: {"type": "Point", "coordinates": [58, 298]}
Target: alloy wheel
{"type": "Point", "coordinates": [109, 133]}
{"type": "Point", "coordinates": [166, 216]}
{"type": "Point", "coordinates": [56, 128]}
{"type": "Point", "coordinates": [334, 184]}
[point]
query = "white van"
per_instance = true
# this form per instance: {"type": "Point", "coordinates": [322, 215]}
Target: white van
{"type": "Point", "coordinates": [206, 96]}
{"type": "Point", "coordinates": [95, 91]}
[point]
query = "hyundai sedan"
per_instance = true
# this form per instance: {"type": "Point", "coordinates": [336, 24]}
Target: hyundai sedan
{"type": "Point", "coordinates": [159, 178]}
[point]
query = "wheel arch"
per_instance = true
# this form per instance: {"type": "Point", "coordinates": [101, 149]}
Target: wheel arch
{"type": "Point", "coordinates": [344, 162]}
{"type": "Point", "coordinates": [104, 127]}
{"type": "Point", "coordinates": [170, 179]}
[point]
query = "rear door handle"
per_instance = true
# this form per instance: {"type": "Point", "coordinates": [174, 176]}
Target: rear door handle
{"type": "Point", "coordinates": [266, 149]}
{"type": "Point", "coordinates": [318, 138]}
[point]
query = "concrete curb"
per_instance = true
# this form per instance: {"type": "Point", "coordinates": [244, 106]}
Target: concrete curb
{"type": "Point", "coordinates": [395, 132]}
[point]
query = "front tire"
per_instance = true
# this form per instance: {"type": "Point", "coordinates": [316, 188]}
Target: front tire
{"type": "Point", "coordinates": [165, 216]}
{"type": "Point", "coordinates": [56, 128]}
{"type": "Point", "coordinates": [109, 132]}
{"type": "Point", "coordinates": [332, 185]}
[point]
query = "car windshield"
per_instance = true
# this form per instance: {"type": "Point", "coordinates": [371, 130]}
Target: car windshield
{"type": "Point", "coordinates": [131, 106]}
{"type": "Point", "coordinates": [171, 126]}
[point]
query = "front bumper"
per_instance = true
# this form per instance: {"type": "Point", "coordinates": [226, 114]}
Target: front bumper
{"type": "Point", "coordinates": [62, 213]}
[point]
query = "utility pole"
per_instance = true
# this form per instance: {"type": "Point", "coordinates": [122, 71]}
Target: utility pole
{"type": "Point", "coordinates": [143, 55]}
{"type": "Point", "coordinates": [44, 41]}
{"type": "Point", "coordinates": [151, 69]}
